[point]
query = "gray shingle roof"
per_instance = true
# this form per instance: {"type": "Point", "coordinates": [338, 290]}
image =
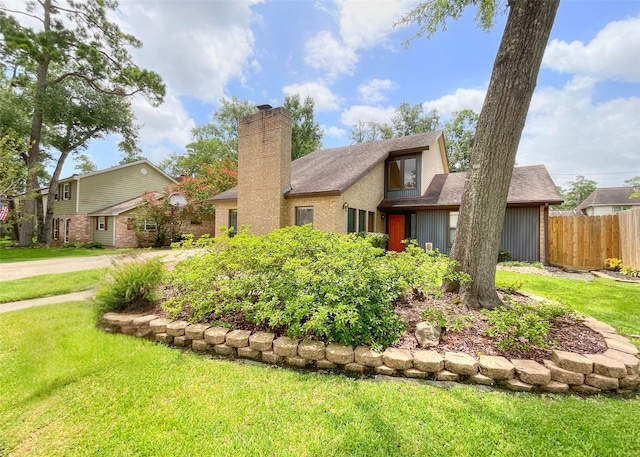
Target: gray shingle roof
{"type": "Point", "coordinates": [122, 207]}
{"type": "Point", "coordinates": [609, 196]}
{"type": "Point", "coordinates": [529, 185]}
{"type": "Point", "coordinates": [335, 170]}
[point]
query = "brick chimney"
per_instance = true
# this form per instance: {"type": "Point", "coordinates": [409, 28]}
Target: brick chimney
{"type": "Point", "coordinates": [264, 169]}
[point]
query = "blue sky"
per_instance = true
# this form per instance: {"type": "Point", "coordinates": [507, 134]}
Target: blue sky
{"type": "Point", "coordinates": [584, 118]}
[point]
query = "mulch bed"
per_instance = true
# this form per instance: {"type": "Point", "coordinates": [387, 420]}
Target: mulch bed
{"type": "Point", "coordinates": [567, 333]}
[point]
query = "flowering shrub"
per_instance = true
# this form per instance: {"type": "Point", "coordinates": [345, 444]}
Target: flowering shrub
{"type": "Point", "coordinates": [306, 282]}
{"type": "Point", "coordinates": [155, 207]}
{"type": "Point", "coordinates": [612, 264]}
{"type": "Point", "coordinates": [616, 265]}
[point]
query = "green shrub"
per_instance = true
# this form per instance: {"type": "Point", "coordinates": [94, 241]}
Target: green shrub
{"type": "Point", "coordinates": [129, 285]}
{"type": "Point", "coordinates": [504, 255]}
{"type": "Point", "coordinates": [377, 240]}
{"type": "Point", "coordinates": [93, 245]}
{"type": "Point", "coordinates": [522, 326]}
{"type": "Point", "coordinates": [307, 282]}
{"type": "Point", "coordinates": [449, 321]}
{"type": "Point", "coordinates": [509, 287]}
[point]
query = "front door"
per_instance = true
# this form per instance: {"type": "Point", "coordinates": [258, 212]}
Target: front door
{"type": "Point", "coordinates": [396, 232]}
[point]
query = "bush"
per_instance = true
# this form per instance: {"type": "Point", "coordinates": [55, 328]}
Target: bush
{"type": "Point", "coordinates": [307, 282]}
{"type": "Point", "coordinates": [93, 245]}
{"type": "Point", "coordinates": [504, 255]}
{"type": "Point", "coordinates": [377, 240]}
{"type": "Point", "coordinates": [130, 285]}
{"type": "Point", "coordinates": [522, 326]}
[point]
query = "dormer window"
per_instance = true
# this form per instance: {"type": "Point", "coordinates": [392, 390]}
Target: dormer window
{"type": "Point", "coordinates": [402, 173]}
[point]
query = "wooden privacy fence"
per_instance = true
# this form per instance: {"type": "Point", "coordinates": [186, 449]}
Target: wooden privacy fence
{"type": "Point", "coordinates": [629, 222]}
{"type": "Point", "coordinates": [584, 242]}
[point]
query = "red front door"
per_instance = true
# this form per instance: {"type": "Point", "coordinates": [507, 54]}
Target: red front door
{"type": "Point", "coordinates": [396, 232]}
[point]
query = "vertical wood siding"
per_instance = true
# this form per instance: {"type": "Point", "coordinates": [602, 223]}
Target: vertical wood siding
{"type": "Point", "coordinates": [432, 228]}
{"type": "Point", "coordinates": [521, 233]}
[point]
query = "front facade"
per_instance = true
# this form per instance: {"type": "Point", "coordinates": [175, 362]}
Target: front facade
{"type": "Point", "coordinates": [94, 206]}
{"type": "Point", "coordinates": [401, 186]}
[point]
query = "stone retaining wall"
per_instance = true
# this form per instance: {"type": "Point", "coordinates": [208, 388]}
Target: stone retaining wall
{"type": "Point", "coordinates": [617, 369]}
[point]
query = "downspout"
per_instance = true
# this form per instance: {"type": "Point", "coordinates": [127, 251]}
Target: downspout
{"type": "Point", "coordinates": [546, 234]}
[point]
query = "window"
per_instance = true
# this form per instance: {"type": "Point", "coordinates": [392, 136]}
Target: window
{"type": "Point", "coordinates": [453, 222]}
{"type": "Point", "coordinates": [101, 223]}
{"type": "Point", "coordinates": [362, 221]}
{"type": "Point", "coordinates": [56, 195]}
{"type": "Point", "coordinates": [56, 228]}
{"type": "Point", "coordinates": [150, 226]}
{"type": "Point", "coordinates": [402, 173]}
{"type": "Point", "coordinates": [233, 222]}
{"type": "Point", "coordinates": [617, 209]}
{"type": "Point", "coordinates": [352, 220]}
{"type": "Point", "coordinates": [66, 191]}
{"type": "Point", "coordinates": [304, 215]}
{"type": "Point", "coordinates": [371, 226]}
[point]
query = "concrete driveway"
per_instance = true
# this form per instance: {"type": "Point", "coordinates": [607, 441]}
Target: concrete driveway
{"type": "Point", "coordinates": [17, 270]}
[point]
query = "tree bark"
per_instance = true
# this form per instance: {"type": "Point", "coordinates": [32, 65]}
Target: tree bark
{"type": "Point", "coordinates": [33, 197]}
{"type": "Point", "coordinates": [44, 226]}
{"type": "Point", "coordinates": [498, 133]}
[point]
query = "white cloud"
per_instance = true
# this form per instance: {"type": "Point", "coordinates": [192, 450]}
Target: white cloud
{"type": "Point", "coordinates": [612, 54]}
{"type": "Point", "coordinates": [372, 91]}
{"type": "Point", "coordinates": [324, 98]}
{"type": "Point", "coordinates": [361, 26]}
{"type": "Point", "coordinates": [197, 47]}
{"type": "Point", "coordinates": [334, 132]}
{"type": "Point", "coordinates": [169, 123]}
{"type": "Point", "coordinates": [572, 135]}
{"type": "Point", "coordinates": [357, 113]}
{"type": "Point", "coordinates": [461, 99]}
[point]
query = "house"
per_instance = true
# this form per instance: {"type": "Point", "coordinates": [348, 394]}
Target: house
{"type": "Point", "coordinates": [609, 200]}
{"type": "Point", "coordinates": [401, 186]}
{"type": "Point", "coordinates": [96, 206]}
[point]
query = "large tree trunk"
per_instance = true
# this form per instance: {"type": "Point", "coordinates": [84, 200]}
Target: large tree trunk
{"type": "Point", "coordinates": [498, 132]}
{"type": "Point", "coordinates": [32, 200]}
{"type": "Point", "coordinates": [44, 227]}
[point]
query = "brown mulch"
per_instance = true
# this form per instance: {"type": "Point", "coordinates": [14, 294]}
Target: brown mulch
{"type": "Point", "coordinates": [567, 333]}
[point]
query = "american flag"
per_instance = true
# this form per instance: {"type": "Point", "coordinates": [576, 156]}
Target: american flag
{"type": "Point", "coordinates": [4, 212]}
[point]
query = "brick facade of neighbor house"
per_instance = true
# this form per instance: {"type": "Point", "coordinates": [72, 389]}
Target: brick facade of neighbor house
{"type": "Point", "coordinates": [264, 169]}
{"type": "Point", "coordinates": [79, 229]}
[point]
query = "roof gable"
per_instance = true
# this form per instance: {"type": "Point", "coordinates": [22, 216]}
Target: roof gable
{"type": "Point", "coordinates": [76, 177]}
{"type": "Point", "coordinates": [610, 196]}
{"type": "Point", "coordinates": [333, 171]}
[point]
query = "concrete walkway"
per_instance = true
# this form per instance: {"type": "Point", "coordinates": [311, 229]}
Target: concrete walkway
{"type": "Point", "coordinates": [19, 270]}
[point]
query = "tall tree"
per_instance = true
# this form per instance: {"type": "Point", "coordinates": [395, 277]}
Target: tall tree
{"type": "Point", "coordinates": [306, 134]}
{"type": "Point", "coordinates": [85, 164]}
{"type": "Point", "coordinates": [500, 125]}
{"type": "Point", "coordinates": [459, 133]}
{"type": "Point", "coordinates": [576, 191]}
{"type": "Point", "coordinates": [84, 46]}
{"type": "Point", "coordinates": [406, 120]}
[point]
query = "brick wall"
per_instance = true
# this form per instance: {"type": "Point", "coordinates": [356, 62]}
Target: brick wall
{"type": "Point", "coordinates": [222, 215]}
{"type": "Point", "coordinates": [79, 229]}
{"type": "Point", "coordinates": [365, 195]}
{"type": "Point", "coordinates": [264, 169]}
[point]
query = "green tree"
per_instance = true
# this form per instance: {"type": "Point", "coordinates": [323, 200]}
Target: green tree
{"type": "Point", "coordinates": [84, 46]}
{"type": "Point", "coordinates": [211, 180]}
{"type": "Point", "coordinates": [635, 183]}
{"type": "Point", "coordinates": [576, 191]}
{"type": "Point", "coordinates": [306, 134]}
{"type": "Point", "coordinates": [85, 164]}
{"type": "Point", "coordinates": [13, 171]}
{"type": "Point", "coordinates": [406, 120]}
{"type": "Point", "coordinates": [500, 125]}
{"type": "Point", "coordinates": [459, 133]}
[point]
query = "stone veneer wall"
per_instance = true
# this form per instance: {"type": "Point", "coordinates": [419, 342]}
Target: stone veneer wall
{"type": "Point", "coordinates": [614, 370]}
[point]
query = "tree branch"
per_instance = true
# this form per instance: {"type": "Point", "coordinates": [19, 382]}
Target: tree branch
{"type": "Point", "coordinates": [21, 12]}
{"type": "Point", "coordinates": [92, 83]}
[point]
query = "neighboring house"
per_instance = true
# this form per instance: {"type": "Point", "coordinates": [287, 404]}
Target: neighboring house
{"type": "Point", "coordinates": [401, 186]}
{"type": "Point", "coordinates": [609, 200]}
{"type": "Point", "coordinates": [96, 206]}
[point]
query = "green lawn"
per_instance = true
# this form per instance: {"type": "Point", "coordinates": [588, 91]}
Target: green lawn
{"type": "Point", "coordinates": [46, 285]}
{"type": "Point", "coordinates": [70, 389]}
{"type": "Point", "coordinates": [25, 254]}
{"type": "Point", "coordinates": [615, 303]}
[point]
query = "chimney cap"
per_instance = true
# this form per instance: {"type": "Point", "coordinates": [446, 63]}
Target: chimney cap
{"type": "Point", "coordinates": [264, 107]}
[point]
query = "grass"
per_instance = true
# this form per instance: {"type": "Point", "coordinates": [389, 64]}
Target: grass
{"type": "Point", "coordinates": [26, 254]}
{"type": "Point", "coordinates": [72, 393]}
{"type": "Point", "coordinates": [70, 389]}
{"type": "Point", "coordinates": [616, 303]}
{"type": "Point", "coordinates": [52, 284]}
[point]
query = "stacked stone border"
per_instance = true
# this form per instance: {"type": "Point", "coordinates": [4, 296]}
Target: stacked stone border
{"type": "Point", "coordinates": [617, 369]}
